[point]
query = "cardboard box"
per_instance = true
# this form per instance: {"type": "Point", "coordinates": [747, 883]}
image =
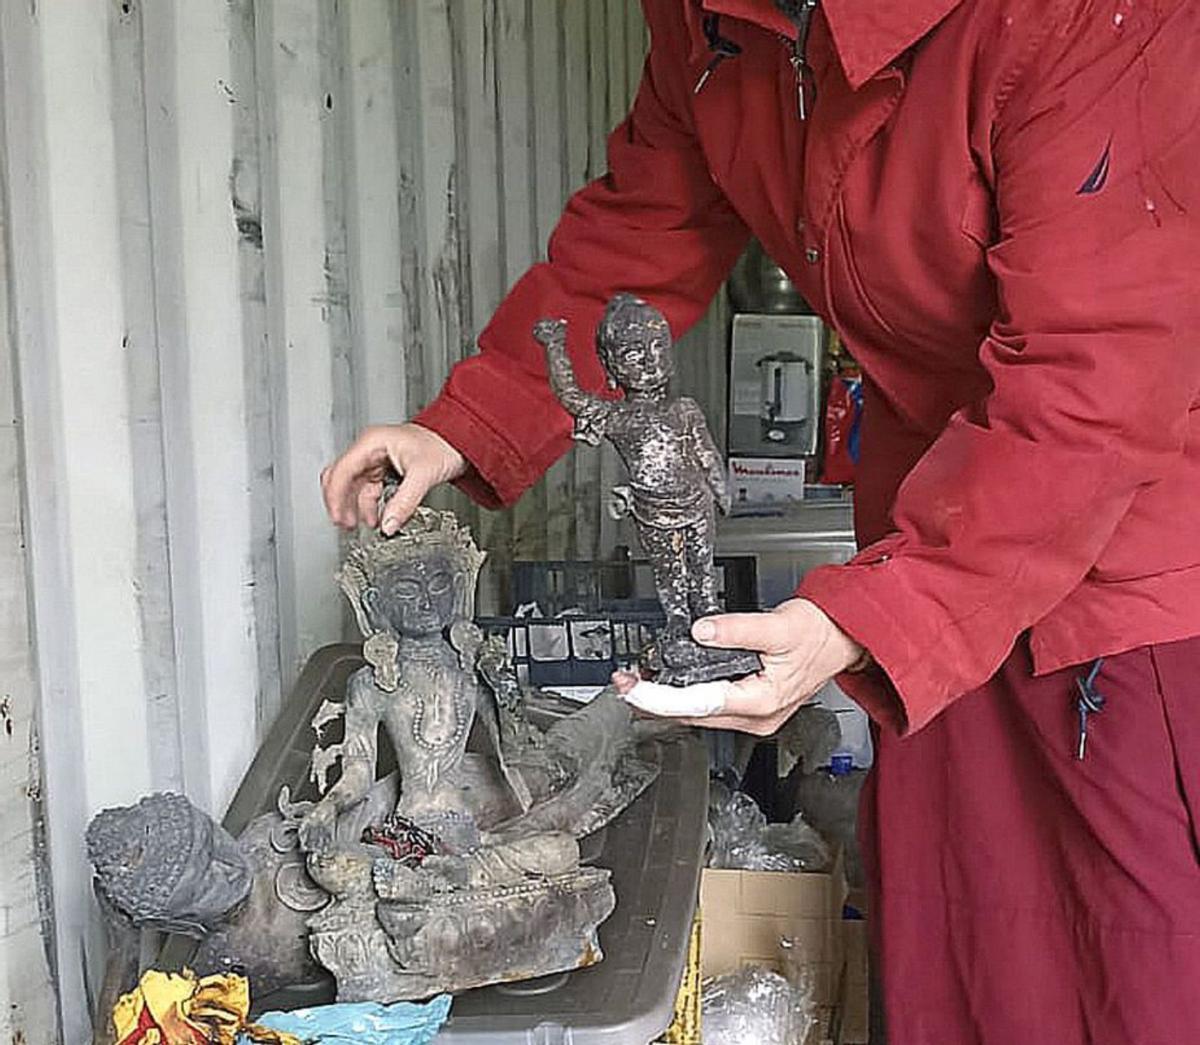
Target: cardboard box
{"type": "Point", "coordinates": [822, 1031]}
{"type": "Point", "coordinates": [855, 1014]}
{"type": "Point", "coordinates": [757, 482]}
{"type": "Point", "coordinates": [747, 913]}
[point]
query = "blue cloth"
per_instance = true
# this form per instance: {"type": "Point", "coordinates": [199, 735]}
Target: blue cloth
{"type": "Point", "coordinates": [363, 1023]}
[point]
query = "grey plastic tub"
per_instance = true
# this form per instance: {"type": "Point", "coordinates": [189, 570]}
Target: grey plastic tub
{"type": "Point", "coordinates": [654, 850]}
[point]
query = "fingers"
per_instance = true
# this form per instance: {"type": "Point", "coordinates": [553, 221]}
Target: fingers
{"type": "Point", "coordinates": [759, 727]}
{"type": "Point", "coordinates": [351, 485]}
{"type": "Point", "coordinates": [756, 696]}
{"type": "Point", "coordinates": [365, 461]}
{"type": "Point", "coordinates": [624, 681]}
{"type": "Point", "coordinates": [407, 498]}
{"type": "Point", "coordinates": [368, 503]}
{"type": "Point", "coordinates": [761, 632]}
{"type": "Point", "coordinates": [756, 704]}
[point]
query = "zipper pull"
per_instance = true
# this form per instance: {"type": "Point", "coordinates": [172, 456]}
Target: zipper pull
{"type": "Point", "coordinates": [800, 66]}
{"type": "Point", "coordinates": [1091, 702]}
{"type": "Point", "coordinates": [708, 71]}
{"type": "Point", "coordinates": [720, 46]}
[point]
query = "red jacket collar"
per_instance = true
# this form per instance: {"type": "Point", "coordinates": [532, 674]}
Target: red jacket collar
{"type": "Point", "coordinates": [868, 34]}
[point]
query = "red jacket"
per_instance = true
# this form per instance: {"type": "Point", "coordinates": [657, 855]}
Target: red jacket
{"type": "Point", "coordinates": [994, 202]}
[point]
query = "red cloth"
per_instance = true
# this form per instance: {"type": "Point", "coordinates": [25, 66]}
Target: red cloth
{"type": "Point", "coordinates": [1024, 896]}
{"type": "Point", "coordinates": [1031, 348]}
{"type": "Point", "coordinates": [994, 203]}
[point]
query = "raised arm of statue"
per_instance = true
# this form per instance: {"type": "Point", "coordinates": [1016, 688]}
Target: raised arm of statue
{"type": "Point", "coordinates": [591, 412]}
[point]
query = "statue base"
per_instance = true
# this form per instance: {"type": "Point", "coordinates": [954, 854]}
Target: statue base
{"type": "Point", "coordinates": [684, 662]}
{"type": "Point", "coordinates": [386, 950]}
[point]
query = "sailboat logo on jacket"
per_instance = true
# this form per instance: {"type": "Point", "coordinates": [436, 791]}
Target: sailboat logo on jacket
{"type": "Point", "coordinates": [1095, 181]}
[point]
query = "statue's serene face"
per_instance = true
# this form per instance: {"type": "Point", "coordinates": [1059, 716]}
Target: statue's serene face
{"type": "Point", "coordinates": [641, 362]}
{"type": "Point", "coordinates": [635, 345]}
{"type": "Point", "coordinates": [417, 598]}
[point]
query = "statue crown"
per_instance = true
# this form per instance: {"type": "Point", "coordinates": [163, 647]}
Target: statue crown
{"type": "Point", "coordinates": [427, 534]}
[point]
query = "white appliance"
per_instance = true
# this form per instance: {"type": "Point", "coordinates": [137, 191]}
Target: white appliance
{"type": "Point", "coordinates": [774, 393]}
{"type": "Point", "coordinates": [786, 410]}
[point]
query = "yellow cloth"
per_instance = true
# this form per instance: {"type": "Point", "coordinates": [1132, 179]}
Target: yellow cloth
{"type": "Point", "coordinates": [685, 1028]}
{"type": "Point", "coordinates": [169, 1008]}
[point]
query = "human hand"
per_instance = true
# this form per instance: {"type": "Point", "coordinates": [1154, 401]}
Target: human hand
{"type": "Point", "coordinates": [352, 485]}
{"type": "Point", "coordinates": [801, 650]}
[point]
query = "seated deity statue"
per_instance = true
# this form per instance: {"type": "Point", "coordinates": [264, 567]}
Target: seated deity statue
{"type": "Point", "coordinates": [475, 875]}
{"type": "Point", "coordinates": [459, 868]}
{"type": "Point", "coordinates": [412, 595]}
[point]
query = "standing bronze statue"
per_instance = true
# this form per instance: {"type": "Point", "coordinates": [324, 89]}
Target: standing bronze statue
{"type": "Point", "coordinates": [676, 475]}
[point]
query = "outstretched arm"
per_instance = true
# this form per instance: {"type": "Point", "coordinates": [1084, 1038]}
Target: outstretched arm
{"type": "Point", "coordinates": [657, 225]}
{"type": "Point", "coordinates": [590, 411]}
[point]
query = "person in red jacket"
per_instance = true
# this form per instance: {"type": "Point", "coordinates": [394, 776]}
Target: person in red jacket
{"type": "Point", "coordinates": [994, 203]}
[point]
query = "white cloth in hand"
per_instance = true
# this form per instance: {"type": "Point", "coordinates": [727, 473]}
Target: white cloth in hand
{"type": "Point", "coordinates": [696, 701]}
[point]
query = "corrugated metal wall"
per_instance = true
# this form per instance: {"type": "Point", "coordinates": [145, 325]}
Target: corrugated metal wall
{"type": "Point", "coordinates": [240, 230]}
{"type": "Point", "coordinates": [26, 990]}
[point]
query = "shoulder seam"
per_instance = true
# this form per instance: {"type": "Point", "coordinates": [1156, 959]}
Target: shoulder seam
{"type": "Point", "coordinates": [1020, 65]}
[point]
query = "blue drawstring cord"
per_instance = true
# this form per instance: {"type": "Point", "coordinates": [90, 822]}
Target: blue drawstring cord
{"type": "Point", "coordinates": [1090, 702]}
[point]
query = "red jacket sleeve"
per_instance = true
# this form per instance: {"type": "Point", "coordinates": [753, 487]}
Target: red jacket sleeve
{"type": "Point", "coordinates": [655, 225]}
{"type": "Point", "coordinates": [1094, 359]}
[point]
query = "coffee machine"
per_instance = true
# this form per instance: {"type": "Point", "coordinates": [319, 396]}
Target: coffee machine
{"type": "Point", "coordinates": [774, 386]}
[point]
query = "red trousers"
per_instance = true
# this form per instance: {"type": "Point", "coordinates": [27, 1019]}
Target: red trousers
{"type": "Point", "coordinates": [1021, 895]}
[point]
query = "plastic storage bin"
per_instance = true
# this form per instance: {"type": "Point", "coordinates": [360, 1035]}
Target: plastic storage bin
{"type": "Point", "coordinates": [654, 850]}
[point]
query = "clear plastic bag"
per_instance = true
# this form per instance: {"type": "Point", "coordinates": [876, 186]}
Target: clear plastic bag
{"type": "Point", "coordinates": [795, 846]}
{"type": "Point", "coordinates": [736, 824]}
{"type": "Point", "coordinates": [753, 1007]}
{"type": "Point", "coordinates": [798, 970]}
{"type": "Point", "coordinates": [744, 841]}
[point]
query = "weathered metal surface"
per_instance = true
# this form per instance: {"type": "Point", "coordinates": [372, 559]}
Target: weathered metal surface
{"type": "Point", "coordinates": [466, 870]}
{"type": "Point", "coordinates": [495, 890]}
{"type": "Point", "coordinates": [676, 475]}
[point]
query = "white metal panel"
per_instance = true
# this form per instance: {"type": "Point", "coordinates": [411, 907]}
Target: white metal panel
{"type": "Point", "coordinates": [306, 301]}
{"type": "Point", "coordinates": [203, 380]}
{"type": "Point", "coordinates": [244, 229]}
{"type": "Point", "coordinates": [377, 298]}
{"type": "Point", "coordinates": [92, 440]}
{"type": "Point", "coordinates": [152, 579]}
{"type": "Point", "coordinates": [27, 1010]}
{"type": "Point", "coordinates": [435, 119]}
{"type": "Point", "coordinates": [61, 175]}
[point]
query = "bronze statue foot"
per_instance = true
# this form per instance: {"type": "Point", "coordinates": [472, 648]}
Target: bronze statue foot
{"type": "Point", "coordinates": [678, 660]}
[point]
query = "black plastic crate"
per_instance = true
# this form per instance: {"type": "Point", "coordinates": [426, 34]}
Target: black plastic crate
{"type": "Point", "coordinates": [619, 586]}
{"type": "Point", "coordinates": [576, 649]}
{"type": "Point", "coordinates": [596, 616]}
